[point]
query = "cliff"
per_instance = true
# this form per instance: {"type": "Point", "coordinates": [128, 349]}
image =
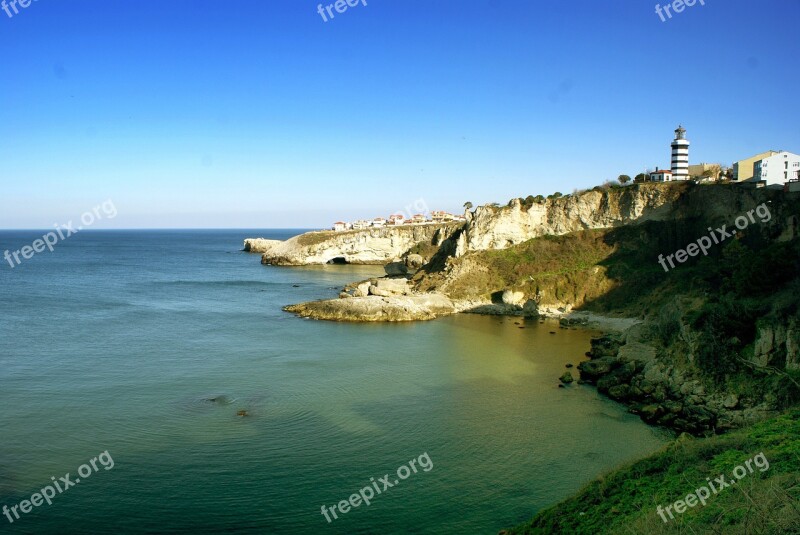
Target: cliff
{"type": "Point", "coordinates": [596, 249]}
{"type": "Point", "coordinates": [367, 246]}
{"type": "Point", "coordinates": [493, 227]}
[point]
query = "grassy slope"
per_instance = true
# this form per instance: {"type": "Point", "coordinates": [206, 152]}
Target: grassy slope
{"type": "Point", "coordinates": [625, 500]}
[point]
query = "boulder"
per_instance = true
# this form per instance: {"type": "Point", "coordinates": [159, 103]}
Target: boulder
{"type": "Point", "coordinates": [362, 289]}
{"type": "Point", "coordinates": [605, 346]}
{"type": "Point", "coordinates": [730, 401]}
{"type": "Point", "coordinates": [414, 261]}
{"type": "Point", "coordinates": [530, 308]}
{"type": "Point", "coordinates": [390, 287]}
{"type": "Point", "coordinates": [619, 392]}
{"type": "Point", "coordinates": [566, 378]}
{"type": "Point", "coordinates": [593, 369]}
{"type": "Point", "coordinates": [510, 297]}
{"type": "Point", "coordinates": [649, 413]}
{"type": "Point", "coordinates": [394, 269]}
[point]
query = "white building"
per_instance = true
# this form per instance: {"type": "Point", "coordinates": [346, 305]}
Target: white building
{"type": "Point", "coordinates": [440, 216]}
{"type": "Point", "coordinates": [339, 226]}
{"type": "Point", "coordinates": [777, 169]}
{"type": "Point", "coordinates": [664, 175]}
{"type": "Point", "coordinates": [680, 155]}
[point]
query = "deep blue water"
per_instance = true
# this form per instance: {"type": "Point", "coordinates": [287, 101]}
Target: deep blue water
{"type": "Point", "coordinates": [118, 340]}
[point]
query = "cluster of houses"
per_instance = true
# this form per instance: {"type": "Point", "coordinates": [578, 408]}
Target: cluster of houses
{"type": "Point", "coordinates": [436, 217]}
{"type": "Point", "coordinates": [774, 169]}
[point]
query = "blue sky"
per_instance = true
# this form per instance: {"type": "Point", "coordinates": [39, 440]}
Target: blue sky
{"type": "Point", "coordinates": [248, 113]}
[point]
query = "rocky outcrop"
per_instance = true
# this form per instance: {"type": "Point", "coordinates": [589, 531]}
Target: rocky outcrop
{"type": "Point", "coordinates": [456, 259]}
{"type": "Point", "coordinates": [372, 308]}
{"type": "Point", "coordinates": [626, 369]}
{"type": "Point", "coordinates": [368, 246]}
{"type": "Point", "coordinates": [500, 227]}
{"type": "Point", "coordinates": [777, 344]}
{"type": "Point", "coordinates": [495, 227]}
{"type": "Point", "coordinates": [395, 268]}
{"type": "Point", "coordinates": [258, 245]}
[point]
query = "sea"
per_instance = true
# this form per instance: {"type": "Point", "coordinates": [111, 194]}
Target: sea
{"type": "Point", "coordinates": [159, 369]}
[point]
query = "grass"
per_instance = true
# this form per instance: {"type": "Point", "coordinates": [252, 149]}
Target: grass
{"type": "Point", "coordinates": [626, 500]}
{"type": "Point", "coordinates": [557, 267]}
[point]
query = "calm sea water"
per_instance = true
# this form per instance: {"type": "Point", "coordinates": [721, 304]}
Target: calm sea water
{"type": "Point", "coordinates": [118, 341]}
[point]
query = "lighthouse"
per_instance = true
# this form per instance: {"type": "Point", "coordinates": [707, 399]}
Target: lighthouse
{"type": "Point", "coordinates": [680, 155]}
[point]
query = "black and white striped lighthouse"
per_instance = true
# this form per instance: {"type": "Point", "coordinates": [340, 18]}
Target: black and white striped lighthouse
{"type": "Point", "coordinates": [680, 155]}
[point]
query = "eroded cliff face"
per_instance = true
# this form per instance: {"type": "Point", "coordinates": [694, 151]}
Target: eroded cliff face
{"type": "Point", "coordinates": [368, 246]}
{"type": "Point", "coordinates": [501, 227]}
{"type": "Point", "coordinates": [777, 344]}
{"type": "Point", "coordinates": [492, 227]}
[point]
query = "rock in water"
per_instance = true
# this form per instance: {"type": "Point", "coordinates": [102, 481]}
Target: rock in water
{"type": "Point", "coordinates": [374, 308]}
{"type": "Point", "coordinates": [566, 378]}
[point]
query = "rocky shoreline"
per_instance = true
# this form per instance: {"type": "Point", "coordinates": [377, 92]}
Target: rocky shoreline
{"type": "Point", "coordinates": [373, 246]}
{"type": "Point", "coordinates": [625, 368]}
{"type": "Point", "coordinates": [544, 257]}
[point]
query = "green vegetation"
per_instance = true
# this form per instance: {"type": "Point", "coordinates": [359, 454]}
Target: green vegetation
{"type": "Point", "coordinates": [320, 236]}
{"type": "Point", "coordinates": [426, 249]}
{"type": "Point", "coordinates": [558, 267]}
{"type": "Point", "coordinates": [625, 500]}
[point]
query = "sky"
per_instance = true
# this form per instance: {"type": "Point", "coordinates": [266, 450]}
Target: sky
{"type": "Point", "coordinates": [262, 114]}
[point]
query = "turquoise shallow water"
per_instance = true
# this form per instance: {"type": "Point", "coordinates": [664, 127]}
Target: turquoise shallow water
{"type": "Point", "coordinates": [118, 340]}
